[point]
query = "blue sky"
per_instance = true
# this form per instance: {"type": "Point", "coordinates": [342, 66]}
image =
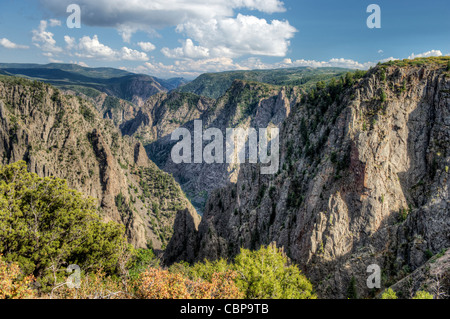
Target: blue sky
{"type": "Point", "coordinates": [169, 38]}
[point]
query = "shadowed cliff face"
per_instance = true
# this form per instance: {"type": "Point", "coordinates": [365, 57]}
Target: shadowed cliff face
{"type": "Point", "coordinates": [64, 136]}
{"type": "Point", "coordinates": [245, 105]}
{"type": "Point", "coordinates": [364, 180]}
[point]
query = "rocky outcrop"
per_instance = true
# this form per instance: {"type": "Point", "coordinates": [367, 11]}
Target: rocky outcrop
{"type": "Point", "coordinates": [364, 180]}
{"type": "Point", "coordinates": [245, 105]}
{"type": "Point", "coordinates": [433, 277]}
{"type": "Point", "coordinates": [64, 136]}
{"type": "Point", "coordinates": [163, 113]}
{"type": "Point", "coordinates": [185, 237]}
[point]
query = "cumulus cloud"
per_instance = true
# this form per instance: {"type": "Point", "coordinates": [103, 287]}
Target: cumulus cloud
{"type": "Point", "coordinates": [388, 59]}
{"type": "Point", "coordinates": [51, 60]}
{"type": "Point", "coordinates": [426, 54]}
{"type": "Point", "coordinates": [189, 68]}
{"type": "Point", "coordinates": [43, 39]}
{"type": "Point", "coordinates": [4, 42]}
{"type": "Point", "coordinates": [54, 23]}
{"type": "Point", "coordinates": [132, 55]}
{"type": "Point", "coordinates": [80, 63]}
{"type": "Point", "coordinates": [210, 23]}
{"type": "Point", "coordinates": [188, 50]}
{"type": "Point", "coordinates": [92, 48]}
{"type": "Point", "coordinates": [143, 14]}
{"type": "Point", "coordinates": [147, 46]}
{"type": "Point", "coordinates": [256, 63]}
{"type": "Point", "coordinates": [260, 5]}
{"type": "Point", "coordinates": [70, 42]}
{"type": "Point", "coordinates": [242, 35]}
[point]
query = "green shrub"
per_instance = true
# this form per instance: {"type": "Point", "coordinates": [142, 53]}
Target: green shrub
{"type": "Point", "coordinates": [351, 290]}
{"type": "Point", "coordinates": [45, 226]}
{"type": "Point", "coordinates": [268, 274]}
{"type": "Point", "coordinates": [263, 274]}
{"type": "Point", "coordinates": [389, 294]}
{"type": "Point", "coordinates": [383, 96]}
{"type": "Point", "coordinates": [141, 261]}
{"type": "Point", "coordinates": [423, 295]}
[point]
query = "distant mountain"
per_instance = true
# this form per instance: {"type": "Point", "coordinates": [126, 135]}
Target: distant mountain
{"type": "Point", "coordinates": [135, 88]}
{"type": "Point", "coordinates": [214, 85]}
{"type": "Point", "coordinates": [173, 83]}
{"type": "Point", "coordinates": [103, 73]}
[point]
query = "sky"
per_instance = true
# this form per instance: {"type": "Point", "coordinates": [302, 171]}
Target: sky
{"type": "Point", "coordinates": [179, 38]}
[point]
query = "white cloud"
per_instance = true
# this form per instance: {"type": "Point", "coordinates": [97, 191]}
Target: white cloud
{"type": "Point", "coordinates": [210, 23]}
{"type": "Point", "coordinates": [147, 46]}
{"type": "Point", "coordinates": [80, 63]}
{"type": "Point", "coordinates": [70, 42]}
{"type": "Point", "coordinates": [92, 48]}
{"type": "Point", "coordinates": [4, 42]}
{"type": "Point", "coordinates": [144, 14]}
{"type": "Point", "coordinates": [243, 35]}
{"type": "Point", "coordinates": [388, 59]}
{"type": "Point", "coordinates": [426, 54]}
{"type": "Point", "coordinates": [132, 55]}
{"type": "Point", "coordinates": [188, 50]}
{"type": "Point", "coordinates": [189, 68]}
{"type": "Point", "coordinates": [54, 23]}
{"type": "Point", "coordinates": [256, 63]}
{"type": "Point", "coordinates": [43, 39]}
{"type": "Point", "coordinates": [260, 5]}
{"type": "Point", "coordinates": [51, 60]}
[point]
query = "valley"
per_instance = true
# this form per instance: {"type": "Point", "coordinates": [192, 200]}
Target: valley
{"type": "Point", "coordinates": [363, 167]}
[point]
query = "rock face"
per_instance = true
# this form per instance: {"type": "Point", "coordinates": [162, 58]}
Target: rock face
{"type": "Point", "coordinates": [64, 136]}
{"type": "Point", "coordinates": [364, 180]}
{"type": "Point", "coordinates": [184, 240]}
{"type": "Point", "coordinates": [163, 113]}
{"type": "Point", "coordinates": [433, 277]}
{"type": "Point", "coordinates": [245, 105]}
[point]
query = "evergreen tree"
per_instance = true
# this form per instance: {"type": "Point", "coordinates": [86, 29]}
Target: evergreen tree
{"type": "Point", "coordinates": [45, 226]}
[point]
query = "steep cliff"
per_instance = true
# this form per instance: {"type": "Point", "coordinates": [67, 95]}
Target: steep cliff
{"type": "Point", "coordinates": [364, 180]}
{"type": "Point", "coordinates": [163, 113]}
{"type": "Point", "coordinates": [245, 105]}
{"type": "Point", "coordinates": [64, 136]}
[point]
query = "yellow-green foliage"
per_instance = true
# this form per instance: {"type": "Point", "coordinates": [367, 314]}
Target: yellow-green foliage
{"type": "Point", "coordinates": [267, 273]}
{"type": "Point", "coordinates": [432, 61]}
{"type": "Point", "coordinates": [45, 226]}
{"type": "Point", "coordinates": [389, 294]}
{"type": "Point", "coordinates": [262, 274]}
{"type": "Point", "coordinates": [423, 295]}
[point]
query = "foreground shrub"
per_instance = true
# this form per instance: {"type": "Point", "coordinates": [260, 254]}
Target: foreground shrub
{"type": "Point", "coordinates": [263, 274]}
{"type": "Point", "coordinates": [389, 294]}
{"type": "Point", "coordinates": [95, 285]}
{"type": "Point", "coordinates": [13, 285]}
{"type": "Point", "coordinates": [142, 260]}
{"type": "Point", "coordinates": [268, 274]}
{"type": "Point", "coordinates": [423, 295]}
{"type": "Point", "coordinates": [162, 284]}
{"type": "Point", "coordinates": [45, 226]}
